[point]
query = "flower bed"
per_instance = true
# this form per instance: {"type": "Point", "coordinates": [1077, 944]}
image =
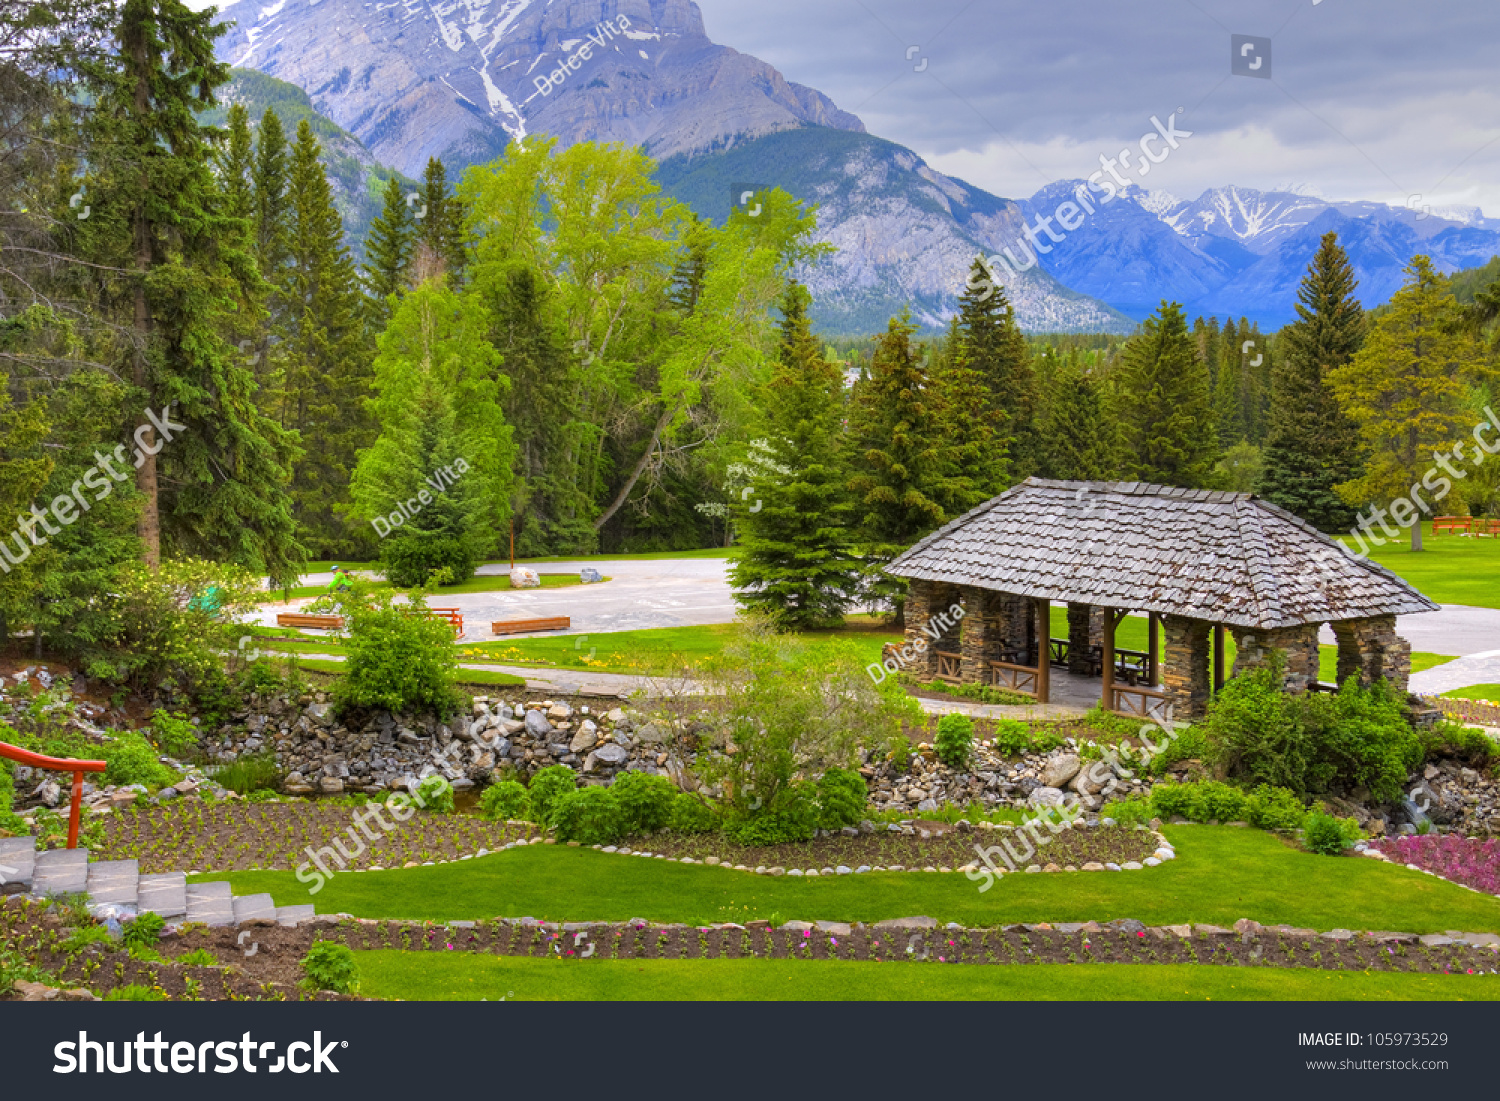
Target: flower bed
{"type": "Point", "coordinates": [1464, 860]}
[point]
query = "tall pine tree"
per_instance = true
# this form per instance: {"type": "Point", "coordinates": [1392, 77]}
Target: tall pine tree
{"type": "Point", "coordinates": [388, 254]}
{"type": "Point", "coordinates": [1078, 435]}
{"type": "Point", "coordinates": [328, 375]}
{"type": "Point", "coordinates": [1312, 446]}
{"type": "Point", "coordinates": [978, 466]}
{"type": "Point", "coordinates": [216, 488]}
{"type": "Point", "coordinates": [899, 461]}
{"type": "Point", "coordinates": [1167, 422]}
{"type": "Point", "coordinates": [991, 343]}
{"type": "Point", "coordinates": [438, 232]}
{"type": "Point", "coordinates": [798, 566]}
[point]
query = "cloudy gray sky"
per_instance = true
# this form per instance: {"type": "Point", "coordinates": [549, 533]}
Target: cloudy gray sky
{"type": "Point", "coordinates": [1367, 99]}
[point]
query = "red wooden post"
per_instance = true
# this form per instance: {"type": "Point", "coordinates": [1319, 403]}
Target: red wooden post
{"type": "Point", "coordinates": [73, 812]}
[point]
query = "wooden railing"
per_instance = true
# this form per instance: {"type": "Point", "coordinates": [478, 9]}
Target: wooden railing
{"type": "Point", "coordinates": [949, 666]}
{"type": "Point", "coordinates": [57, 764]}
{"type": "Point", "coordinates": [1132, 666]}
{"type": "Point", "coordinates": [1014, 678]}
{"type": "Point", "coordinates": [1059, 650]}
{"type": "Point", "coordinates": [1143, 703]}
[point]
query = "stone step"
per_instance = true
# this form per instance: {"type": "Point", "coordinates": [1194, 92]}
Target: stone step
{"type": "Point", "coordinates": [247, 907]}
{"type": "Point", "coordinates": [291, 915]}
{"type": "Point", "coordinates": [164, 894]}
{"type": "Point", "coordinates": [60, 872]}
{"type": "Point", "coordinates": [113, 882]}
{"type": "Point", "coordinates": [210, 903]}
{"type": "Point", "coordinates": [17, 859]}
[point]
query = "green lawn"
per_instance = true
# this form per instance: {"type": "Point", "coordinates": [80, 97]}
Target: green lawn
{"type": "Point", "coordinates": [1221, 874]}
{"type": "Point", "coordinates": [645, 651]}
{"type": "Point", "coordinates": [1450, 569]}
{"type": "Point", "coordinates": [1476, 692]}
{"type": "Point", "coordinates": [433, 977]}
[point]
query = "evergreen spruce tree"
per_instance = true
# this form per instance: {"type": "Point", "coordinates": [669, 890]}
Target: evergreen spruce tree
{"type": "Point", "coordinates": [992, 345]}
{"type": "Point", "coordinates": [1078, 435]}
{"type": "Point", "coordinates": [1312, 446]}
{"type": "Point", "coordinates": [388, 254]}
{"type": "Point", "coordinates": [272, 203]}
{"type": "Point", "coordinates": [438, 233]}
{"type": "Point", "coordinates": [236, 161]}
{"type": "Point", "coordinates": [216, 487]}
{"type": "Point", "coordinates": [328, 374]}
{"type": "Point", "coordinates": [1407, 388]}
{"type": "Point", "coordinates": [977, 460]}
{"type": "Point", "coordinates": [1167, 422]}
{"type": "Point", "coordinates": [798, 566]}
{"type": "Point", "coordinates": [898, 458]}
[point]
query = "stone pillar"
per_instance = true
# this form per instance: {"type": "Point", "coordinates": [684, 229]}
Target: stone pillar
{"type": "Point", "coordinates": [1371, 650]}
{"type": "Point", "coordinates": [979, 635]}
{"type": "Point", "coordinates": [919, 600]}
{"type": "Point", "coordinates": [1080, 638]}
{"type": "Point", "coordinates": [1096, 625]}
{"type": "Point", "coordinates": [1016, 622]}
{"type": "Point", "coordinates": [1185, 675]}
{"type": "Point", "coordinates": [1299, 645]}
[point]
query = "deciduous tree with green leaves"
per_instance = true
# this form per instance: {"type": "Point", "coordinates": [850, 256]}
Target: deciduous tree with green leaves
{"type": "Point", "coordinates": [1407, 388]}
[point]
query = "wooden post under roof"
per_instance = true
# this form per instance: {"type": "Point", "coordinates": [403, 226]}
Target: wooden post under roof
{"type": "Point", "coordinates": [1153, 649]}
{"type": "Point", "coordinates": [1218, 657]}
{"type": "Point", "coordinates": [1043, 650]}
{"type": "Point", "coordinates": [1107, 699]}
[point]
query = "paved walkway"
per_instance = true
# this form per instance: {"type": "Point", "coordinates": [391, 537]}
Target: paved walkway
{"type": "Point", "coordinates": [1483, 668]}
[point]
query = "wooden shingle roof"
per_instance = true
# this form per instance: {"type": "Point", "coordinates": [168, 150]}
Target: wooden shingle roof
{"type": "Point", "coordinates": [1229, 558]}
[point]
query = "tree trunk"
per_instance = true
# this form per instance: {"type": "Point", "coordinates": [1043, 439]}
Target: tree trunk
{"type": "Point", "coordinates": [149, 525]}
{"type": "Point", "coordinates": [1416, 535]}
{"type": "Point", "coordinates": [639, 468]}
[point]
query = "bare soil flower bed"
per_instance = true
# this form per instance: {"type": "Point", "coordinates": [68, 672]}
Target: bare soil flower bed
{"type": "Point", "coordinates": [39, 934]}
{"type": "Point", "coordinates": [952, 848]}
{"type": "Point", "coordinates": [1469, 861]}
{"type": "Point", "coordinates": [196, 836]}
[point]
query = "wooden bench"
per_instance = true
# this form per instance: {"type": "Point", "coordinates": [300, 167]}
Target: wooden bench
{"type": "Point", "coordinates": [1452, 524]}
{"type": "Point", "coordinates": [316, 622]}
{"type": "Point", "coordinates": [526, 626]}
{"type": "Point", "coordinates": [454, 617]}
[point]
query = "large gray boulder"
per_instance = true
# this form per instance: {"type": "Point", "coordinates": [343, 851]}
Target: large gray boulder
{"type": "Point", "coordinates": [1059, 770]}
{"type": "Point", "coordinates": [537, 725]}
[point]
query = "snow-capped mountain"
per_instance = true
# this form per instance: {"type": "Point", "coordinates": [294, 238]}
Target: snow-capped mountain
{"type": "Point", "coordinates": [459, 79]}
{"type": "Point", "coordinates": [1239, 251]}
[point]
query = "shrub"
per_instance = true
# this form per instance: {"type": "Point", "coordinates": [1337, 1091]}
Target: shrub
{"type": "Point", "coordinates": [412, 560]}
{"type": "Point", "coordinates": [435, 795]}
{"type": "Point", "coordinates": [645, 800]}
{"type": "Point", "coordinates": [955, 740]}
{"type": "Point", "coordinates": [133, 760]}
{"type": "Point", "coordinates": [143, 931]}
{"type": "Point", "coordinates": [692, 815]}
{"type": "Point", "coordinates": [85, 935]}
{"type": "Point", "coordinates": [792, 817]}
{"type": "Point", "coordinates": [173, 734]}
{"type": "Point", "coordinates": [791, 708]}
{"type": "Point", "coordinates": [546, 786]}
{"type": "Point", "coordinates": [1312, 741]}
{"type": "Point", "coordinates": [252, 772]}
{"type": "Point", "coordinates": [507, 799]}
{"type": "Point", "coordinates": [1219, 802]}
{"type": "Point", "coordinates": [1275, 809]}
{"type": "Point", "coordinates": [397, 658]}
{"type": "Point", "coordinates": [134, 992]}
{"type": "Point", "coordinates": [842, 795]}
{"type": "Point", "coordinates": [329, 966]}
{"type": "Point", "coordinates": [198, 957]}
{"type": "Point", "coordinates": [1189, 745]}
{"type": "Point", "coordinates": [1134, 811]}
{"type": "Point", "coordinates": [590, 816]}
{"type": "Point", "coordinates": [1450, 739]}
{"type": "Point", "coordinates": [1325, 834]}
{"type": "Point", "coordinates": [1013, 738]}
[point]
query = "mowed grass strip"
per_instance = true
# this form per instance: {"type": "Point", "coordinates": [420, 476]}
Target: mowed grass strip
{"type": "Point", "coordinates": [1450, 569]}
{"type": "Point", "coordinates": [1221, 874]}
{"type": "Point", "coordinates": [458, 976]}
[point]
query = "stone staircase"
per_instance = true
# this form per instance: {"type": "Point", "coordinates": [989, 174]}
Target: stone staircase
{"type": "Point", "coordinates": [117, 888]}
